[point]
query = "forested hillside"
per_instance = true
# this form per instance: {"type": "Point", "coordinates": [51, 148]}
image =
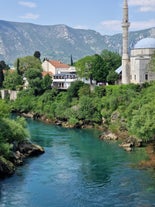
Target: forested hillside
{"type": "Point", "coordinates": [58, 41]}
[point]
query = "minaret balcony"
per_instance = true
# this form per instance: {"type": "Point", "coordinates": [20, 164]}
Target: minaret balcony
{"type": "Point", "coordinates": [125, 24]}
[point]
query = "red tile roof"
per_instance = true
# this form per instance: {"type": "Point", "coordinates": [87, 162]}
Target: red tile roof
{"type": "Point", "coordinates": [44, 73]}
{"type": "Point", "coordinates": [58, 64]}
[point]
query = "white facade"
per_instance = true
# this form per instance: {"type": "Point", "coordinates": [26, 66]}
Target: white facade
{"type": "Point", "coordinates": [135, 68]}
{"type": "Point", "coordinates": [62, 74]}
{"type": "Point", "coordinates": [139, 65]}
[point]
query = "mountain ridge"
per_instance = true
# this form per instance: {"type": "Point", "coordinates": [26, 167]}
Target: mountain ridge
{"type": "Point", "coordinates": [59, 41]}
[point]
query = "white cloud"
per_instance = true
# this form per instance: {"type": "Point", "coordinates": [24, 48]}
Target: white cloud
{"type": "Point", "coordinates": [147, 9]}
{"type": "Point", "coordinates": [141, 2]}
{"type": "Point", "coordinates": [142, 24]}
{"type": "Point", "coordinates": [27, 4]}
{"type": "Point", "coordinates": [30, 16]}
{"type": "Point", "coordinates": [143, 5]}
{"type": "Point", "coordinates": [114, 26]}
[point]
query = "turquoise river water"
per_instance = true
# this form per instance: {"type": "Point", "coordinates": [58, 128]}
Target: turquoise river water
{"type": "Point", "coordinates": [78, 170]}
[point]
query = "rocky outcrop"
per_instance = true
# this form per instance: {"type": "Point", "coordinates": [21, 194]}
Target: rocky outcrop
{"type": "Point", "coordinates": [7, 168]}
{"type": "Point", "coordinates": [128, 143]}
{"type": "Point", "coordinates": [131, 142]}
{"type": "Point", "coordinates": [21, 151]}
{"type": "Point", "coordinates": [108, 136]}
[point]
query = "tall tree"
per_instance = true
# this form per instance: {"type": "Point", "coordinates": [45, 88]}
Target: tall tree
{"type": "Point", "coordinates": [84, 68]}
{"type": "Point", "coordinates": [72, 61]}
{"type": "Point", "coordinates": [99, 70]}
{"type": "Point", "coordinates": [28, 62]}
{"type": "Point", "coordinates": [37, 54]}
{"type": "Point", "coordinates": [112, 60]}
{"type": "Point", "coordinates": [1, 77]}
{"type": "Point", "coordinates": [92, 67]}
{"type": "Point", "coordinates": [3, 65]}
{"type": "Point", "coordinates": [18, 71]}
{"type": "Point", "coordinates": [12, 80]}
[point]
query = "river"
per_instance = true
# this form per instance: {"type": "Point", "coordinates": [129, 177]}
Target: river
{"type": "Point", "coordinates": [78, 170]}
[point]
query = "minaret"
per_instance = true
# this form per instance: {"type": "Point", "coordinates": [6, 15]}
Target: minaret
{"type": "Point", "coordinates": [125, 54]}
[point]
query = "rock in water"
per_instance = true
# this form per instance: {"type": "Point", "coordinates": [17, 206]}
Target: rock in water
{"type": "Point", "coordinates": [7, 168]}
{"type": "Point", "coordinates": [29, 149]}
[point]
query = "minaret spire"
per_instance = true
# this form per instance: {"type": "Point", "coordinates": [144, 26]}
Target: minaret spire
{"type": "Point", "coordinates": [125, 54]}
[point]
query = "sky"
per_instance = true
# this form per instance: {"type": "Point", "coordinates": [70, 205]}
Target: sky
{"type": "Point", "coordinates": [103, 16]}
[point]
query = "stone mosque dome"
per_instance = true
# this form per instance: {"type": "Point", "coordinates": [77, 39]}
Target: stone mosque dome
{"type": "Point", "coordinates": [145, 43]}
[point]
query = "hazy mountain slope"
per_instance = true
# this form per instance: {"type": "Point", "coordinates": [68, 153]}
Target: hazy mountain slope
{"type": "Point", "coordinates": [57, 41]}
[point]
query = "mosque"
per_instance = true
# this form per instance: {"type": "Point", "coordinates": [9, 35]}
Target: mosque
{"type": "Point", "coordinates": [135, 67]}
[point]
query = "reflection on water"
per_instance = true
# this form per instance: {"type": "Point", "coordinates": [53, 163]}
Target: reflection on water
{"type": "Point", "coordinates": [78, 170]}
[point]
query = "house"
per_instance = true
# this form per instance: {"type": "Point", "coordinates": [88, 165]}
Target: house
{"type": "Point", "coordinates": [62, 74]}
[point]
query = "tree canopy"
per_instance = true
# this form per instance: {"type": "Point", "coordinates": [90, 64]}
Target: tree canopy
{"type": "Point", "coordinates": [26, 63]}
{"type": "Point", "coordinates": [37, 54]}
{"type": "Point", "coordinates": [98, 67]}
{"type": "Point", "coordinates": [12, 80]}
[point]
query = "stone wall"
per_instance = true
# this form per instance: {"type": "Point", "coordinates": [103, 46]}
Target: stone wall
{"type": "Point", "coordinates": [9, 93]}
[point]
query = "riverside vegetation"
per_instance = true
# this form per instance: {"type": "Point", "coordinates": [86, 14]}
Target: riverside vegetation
{"type": "Point", "coordinates": [14, 143]}
{"type": "Point", "coordinates": [125, 110]}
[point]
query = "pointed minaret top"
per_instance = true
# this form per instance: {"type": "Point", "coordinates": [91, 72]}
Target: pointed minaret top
{"type": "Point", "coordinates": [125, 3]}
{"type": "Point", "coordinates": [125, 14]}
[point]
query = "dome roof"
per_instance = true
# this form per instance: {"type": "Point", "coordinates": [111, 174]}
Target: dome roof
{"type": "Point", "coordinates": [145, 43]}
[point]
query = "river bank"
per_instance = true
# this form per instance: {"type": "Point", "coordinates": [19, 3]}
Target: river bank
{"type": "Point", "coordinates": [21, 151]}
{"type": "Point", "coordinates": [128, 143]}
{"type": "Point", "coordinates": [150, 162]}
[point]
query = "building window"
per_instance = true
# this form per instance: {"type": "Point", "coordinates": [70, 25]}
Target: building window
{"type": "Point", "coordinates": [146, 76]}
{"type": "Point", "coordinates": [134, 77]}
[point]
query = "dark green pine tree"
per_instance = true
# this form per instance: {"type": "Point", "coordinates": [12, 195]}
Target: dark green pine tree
{"type": "Point", "coordinates": [37, 54]}
{"type": "Point", "coordinates": [72, 61]}
{"type": "Point", "coordinates": [18, 71]}
{"type": "Point", "coordinates": [1, 77]}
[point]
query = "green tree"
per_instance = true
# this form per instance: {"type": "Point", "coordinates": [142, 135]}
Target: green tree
{"type": "Point", "coordinates": [37, 54]}
{"type": "Point", "coordinates": [112, 77]}
{"type": "Point", "coordinates": [88, 111]}
{"type": "Point", "coordinates": [46, 82]}
{"type": "Point", "coordinates": [92, 67]}
{"type": "Point", "coordinates": [73, 89]}
{"type": "Point", "coordinates": [12, 80]}
{"type": "Point", "coordinates": [3, 65]}
{"type": "Point", "coordinates": [5, 109]}
{"type": "Point", "coordinates": [84, 68]}
{"type": "Point", "coordinates": [112, 60]}
{"type": "Point", "coordinates": [28, 62]}
{"type": "Point", "coordinates": [34, 78]}
{"type": "Point", "coordinates": [1, 77]}
{"type": "Point", "coordinates": [142, 122]}
{"type": "Point", "coordinates": [36, 82]}
{"type": "Point", "coordinates": [18, 71]}
{"type": "Point", "coordinates": [99, 72]}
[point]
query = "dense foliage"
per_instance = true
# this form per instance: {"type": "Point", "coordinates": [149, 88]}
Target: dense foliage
{"type": "Point", "coordinates": [11, 130]}
{"type": "Point", "coordinates": [121, 107]}
{"type": "Point", "coordinates": [12, 80]}
{"type": "Point", "coordinates": [100, 68]}
{"type": "Point", "coordinates": [27, 62]}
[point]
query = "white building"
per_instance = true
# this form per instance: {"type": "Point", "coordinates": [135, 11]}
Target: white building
{"type": "Point", "coordinates": [62, 74]}
{"type": "Point", "coordinates": [140, 59]}
{"type": "Point", "coordinates": [135, 66]}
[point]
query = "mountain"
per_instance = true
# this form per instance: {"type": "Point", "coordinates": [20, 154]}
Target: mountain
{"type": "Point", "coordinates": [58, 41]}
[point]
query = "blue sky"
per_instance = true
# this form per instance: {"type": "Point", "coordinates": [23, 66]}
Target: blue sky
{"type": "Point", "coordinates": [103, 16]}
